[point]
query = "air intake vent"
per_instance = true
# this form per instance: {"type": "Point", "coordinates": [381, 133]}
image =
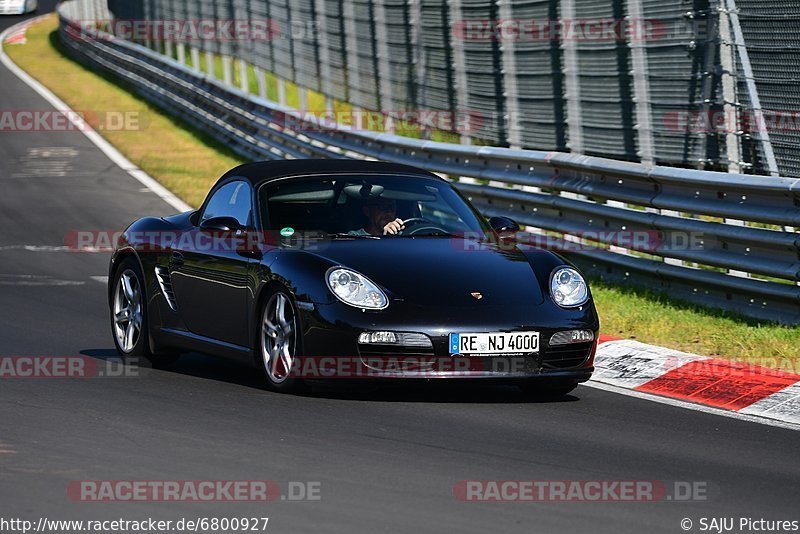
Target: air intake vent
{"type": "Point", "coordinates": [165, 283]}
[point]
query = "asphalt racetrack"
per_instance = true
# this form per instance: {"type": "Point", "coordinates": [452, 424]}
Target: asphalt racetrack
{"type": "Point", "coordinates": [384, 461]}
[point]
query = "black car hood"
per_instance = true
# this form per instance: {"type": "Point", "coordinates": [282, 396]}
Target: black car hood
{"type": "Point", "coordinates": [440, 271]}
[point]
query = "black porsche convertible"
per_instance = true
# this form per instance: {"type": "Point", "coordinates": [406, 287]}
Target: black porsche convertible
{"type": "Point", "coordinates": [321, 269]}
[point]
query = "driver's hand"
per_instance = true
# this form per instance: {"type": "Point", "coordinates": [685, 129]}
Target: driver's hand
{"type": "Point", "coordinates": [393, 227]}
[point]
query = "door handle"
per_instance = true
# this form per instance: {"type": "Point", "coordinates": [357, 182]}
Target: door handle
{"type": "Point", "coordinates": [177, 259]}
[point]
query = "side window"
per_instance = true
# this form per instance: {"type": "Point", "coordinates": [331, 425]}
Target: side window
{"type": "Point", "coordinates": [231, 200]}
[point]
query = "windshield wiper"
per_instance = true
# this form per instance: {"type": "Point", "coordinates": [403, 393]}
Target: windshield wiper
{"type": "Point", "coordinates": [435, 234]}
{"type": "Point", "coordinates": [345, 235]}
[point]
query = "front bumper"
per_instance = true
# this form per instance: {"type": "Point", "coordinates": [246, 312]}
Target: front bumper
{"type": "Point", "coordinates": [331, 348]}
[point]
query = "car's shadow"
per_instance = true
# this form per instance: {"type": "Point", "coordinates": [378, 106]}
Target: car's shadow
{"type": "Point", "coordinates": [435, 391]}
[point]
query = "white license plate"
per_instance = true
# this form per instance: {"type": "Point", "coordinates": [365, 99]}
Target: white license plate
{"type": "Point", "coordinates": [494, 343]}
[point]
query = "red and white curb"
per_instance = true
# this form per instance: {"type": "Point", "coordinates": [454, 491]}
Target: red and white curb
{"type": "Point", "coordinates": [17, 35]}
{"type": "Point", "coordinates": [752, 391]}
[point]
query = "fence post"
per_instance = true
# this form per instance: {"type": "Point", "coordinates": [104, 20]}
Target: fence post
{"type": "Point", "coordinates": [419, 62]}
{"type": "Point", "coordinates": [641, 84]}
{"type": "Point", "coordinates": [459, 68]}
{"type": "Point", "coordinates": [755, 101]}
{"type": "Point", "coordinates": [730, 104]}
{"type": "Point", "coordinates": [324, 51]}
{"type": "Point", "coordinates": [572, 83]}
{"type": "Point", "coordinates": [384, 67]}
{"type": "Point", "coordinates": [351, 51]}
{"type": "Point", "coordinates": [511, 94]}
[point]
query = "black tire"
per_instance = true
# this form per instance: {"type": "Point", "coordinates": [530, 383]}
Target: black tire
{"type": "Point", "coordinates": [288, 336]}
{"type": "Point", "coordinates": [139, 346]}
{"type": "Point", "coordinates": [547, 389]}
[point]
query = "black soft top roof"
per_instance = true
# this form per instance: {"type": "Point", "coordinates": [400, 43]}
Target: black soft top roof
{"type": "Point", "coordinates": [265, 171]}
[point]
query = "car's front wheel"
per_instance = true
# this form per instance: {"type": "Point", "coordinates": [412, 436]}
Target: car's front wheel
{"type": "Point", "coordinates": [280, 341]}
{"type": "Point", "coordinates": [129, 316]}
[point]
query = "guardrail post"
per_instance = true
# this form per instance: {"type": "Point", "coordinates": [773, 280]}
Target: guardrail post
{"type": "Point", "coordinates": [195, 55]}
{"type": "Point", "coordinates": [210, 70]}
{"type": "Point", "coordinates": [244, 82]}
{"type": "Point", "coordinates": [181, 49]}
{"type": "Point", "coordinates": [281, 83]}
{"type": "Point", "coordinates": [227, 70]}
{"type": "Point", "coordinates": [302, 99]}
{"type": "Point", "coordinates": [261, 80]}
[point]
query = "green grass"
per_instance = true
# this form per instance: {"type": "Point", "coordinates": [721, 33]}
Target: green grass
{"type": "Point", "coordinates": [654, 318]}
{"type": "Point", "coordinates": [188, 162]}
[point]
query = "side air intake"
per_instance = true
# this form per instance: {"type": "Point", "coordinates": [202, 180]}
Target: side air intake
{"type": "Point", "coordinates": [165, 283]}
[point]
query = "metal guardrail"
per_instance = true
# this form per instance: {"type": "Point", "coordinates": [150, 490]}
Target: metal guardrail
{"type": "Point", "coordinates": [555, 192]}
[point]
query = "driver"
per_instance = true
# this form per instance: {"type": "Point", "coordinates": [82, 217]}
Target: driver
{"type": "Point", "coordinates": [381, 218]}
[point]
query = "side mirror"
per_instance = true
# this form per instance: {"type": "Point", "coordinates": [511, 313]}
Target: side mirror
{"type": "Point", "coordinates": [503, 225]}
{"type": "Point", "coordinates": [234, 234]}
{"type": "Point", "coordinates": [220, 225]}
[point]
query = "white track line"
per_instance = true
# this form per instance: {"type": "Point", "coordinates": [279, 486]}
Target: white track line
{"type": "Point", "coordinates": [113, 154]}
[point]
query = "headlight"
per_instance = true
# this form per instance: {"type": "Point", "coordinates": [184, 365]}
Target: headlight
{"type": "Point", "coordinates": [355, 289]}
{"type": "Point", "coordinates": [568, 288]}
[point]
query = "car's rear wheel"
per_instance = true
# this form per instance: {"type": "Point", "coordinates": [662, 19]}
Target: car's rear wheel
{"type": "Point", "coordinates": [280, 342]}
{"type": "Point", "coordinates": [541, 389]}
{"type": "Point", "coordinates": [129, 324]}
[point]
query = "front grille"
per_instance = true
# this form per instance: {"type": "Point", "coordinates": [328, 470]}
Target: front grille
{"type": "Point", "coordinates": [393, 350]}
{"type": "Point", "coordinates": [566, 356]}
{"type": "Point", "coordinates": [398, 358]}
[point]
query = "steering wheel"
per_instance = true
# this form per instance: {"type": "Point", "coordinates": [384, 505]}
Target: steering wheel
{"type": "Point", "coordinates": [416, 225]}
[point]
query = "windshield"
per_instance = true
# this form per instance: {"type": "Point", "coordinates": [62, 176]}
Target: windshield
{"type": "Point", "coordinates": [362, 205]}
